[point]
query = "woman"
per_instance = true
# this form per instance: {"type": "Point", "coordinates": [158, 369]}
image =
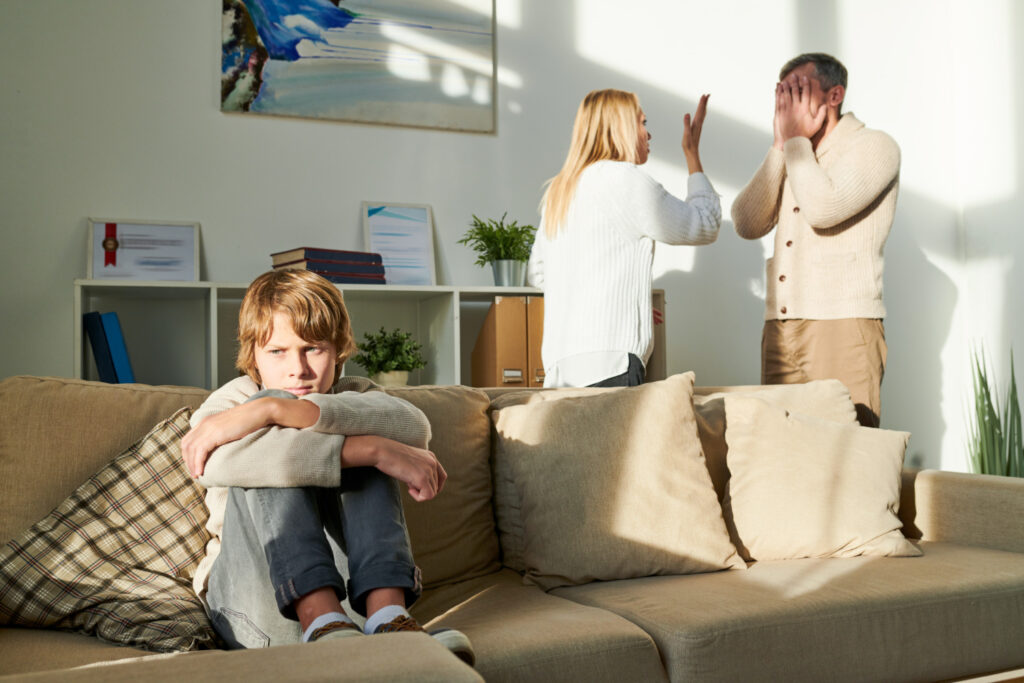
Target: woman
{"type": "Point", "coordinates": [600, 217]}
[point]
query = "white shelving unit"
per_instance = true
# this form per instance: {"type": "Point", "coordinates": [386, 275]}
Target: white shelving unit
{"type": "Point", "coordinates": [184, 332]}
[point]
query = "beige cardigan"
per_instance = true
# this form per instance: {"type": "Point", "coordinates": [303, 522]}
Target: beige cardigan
{"type": "Point", "coordinates": [833, 208]}
{"type": "Point", "coordinates": [279, 457]}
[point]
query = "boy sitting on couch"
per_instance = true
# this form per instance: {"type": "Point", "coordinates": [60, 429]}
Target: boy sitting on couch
{"type": "Point", "coordinates": [301, 472]}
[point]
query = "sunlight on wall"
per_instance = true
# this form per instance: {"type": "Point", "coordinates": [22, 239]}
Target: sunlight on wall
{"type": "Point", "coordinates": [418, 40]}
{"type": "Point", "coordinates": [509, 13]}
{"type": "Point", "coordinates": [659, 43]}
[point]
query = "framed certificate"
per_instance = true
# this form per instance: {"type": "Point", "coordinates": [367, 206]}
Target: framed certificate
{"type": "Point", "coordinates": [142, 250]}
{"type": "Point", "coordinates": [403, 234]}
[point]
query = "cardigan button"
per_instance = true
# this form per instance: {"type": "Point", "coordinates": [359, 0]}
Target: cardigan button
{"type": "Point", "coordinates": [796, 209]}
{"type": "Point", "coordinates": [789, 243]}
{"type": "Point", "coordinates": [782, 278]}
{"type": "Point", "coordinates": [782, 310]}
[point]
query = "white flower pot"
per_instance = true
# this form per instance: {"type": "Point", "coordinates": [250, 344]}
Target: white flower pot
{"type": "Point", "coordinates": [509, 273]}
{"type": "Point", "coordinates": [394, 378]}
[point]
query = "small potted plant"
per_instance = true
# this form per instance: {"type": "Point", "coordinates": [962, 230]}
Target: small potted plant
{"type": "Point", "coordinates": [388, 357]}
{"type": "Point", "coordinates": [506, 246]}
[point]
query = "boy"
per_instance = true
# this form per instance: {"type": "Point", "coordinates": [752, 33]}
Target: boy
{"type": "Point", "coordinates": [271, 447]}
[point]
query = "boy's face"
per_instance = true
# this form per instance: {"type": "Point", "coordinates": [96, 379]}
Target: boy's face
{"type": "Point", "coordinates": [289, 362]}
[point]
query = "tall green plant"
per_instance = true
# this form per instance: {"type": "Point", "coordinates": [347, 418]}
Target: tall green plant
{"type": "Point", "coordinates": [994, 437]}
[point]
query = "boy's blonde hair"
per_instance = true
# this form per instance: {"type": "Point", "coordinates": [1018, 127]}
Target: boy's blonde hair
{"type": "Point", "coordinates": [607, 127]}
{"type": "Point", "coordinates": [314, 306]}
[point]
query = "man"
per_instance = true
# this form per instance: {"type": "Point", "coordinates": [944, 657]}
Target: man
{"type": "Point", "coordinates": [828, 187]}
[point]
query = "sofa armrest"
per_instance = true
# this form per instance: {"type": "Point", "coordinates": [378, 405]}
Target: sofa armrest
{"type": "Point", "coordinates": [383, 658]}
{"type": "Point", "coordinates": [969, 509]}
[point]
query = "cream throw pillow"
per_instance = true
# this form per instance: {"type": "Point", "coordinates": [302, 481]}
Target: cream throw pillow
{"type": "Point", "coordinates": [805, 487]}
{"type": "Point", "coordinates": [613, 485]}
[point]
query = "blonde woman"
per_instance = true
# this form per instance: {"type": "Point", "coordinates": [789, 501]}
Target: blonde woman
{"type": "Point", "coordinates": [600, 218]}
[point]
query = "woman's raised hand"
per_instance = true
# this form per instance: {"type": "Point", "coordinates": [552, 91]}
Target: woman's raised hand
{"type": "Point", "coordinates": [691, 135]}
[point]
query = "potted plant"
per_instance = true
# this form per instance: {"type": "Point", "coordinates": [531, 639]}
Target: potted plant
{"type": "Point", "coordinates": [506, 246]}
{"type": "Point", "coordinates": [388, 357]}
{"type": "Point", "coordinates": [995, 441]}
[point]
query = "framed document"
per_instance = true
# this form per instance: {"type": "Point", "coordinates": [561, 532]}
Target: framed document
{"type": "Point", "coordinates": [142, 250]}
{"type": "Point", "coordinates": [403, 234]}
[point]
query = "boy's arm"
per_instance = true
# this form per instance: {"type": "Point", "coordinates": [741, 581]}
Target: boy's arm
{"type": "Point", "coordinates": [269, 456]}
{"type": "Point", "coordinates": [286, 455]}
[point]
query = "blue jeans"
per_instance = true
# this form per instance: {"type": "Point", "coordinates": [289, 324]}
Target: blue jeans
{"type": "Point", "coordinates": [280, 544]}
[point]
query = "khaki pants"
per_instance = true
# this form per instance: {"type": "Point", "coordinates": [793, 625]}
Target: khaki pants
{"type": "Point", "coordinates": [852, 350]}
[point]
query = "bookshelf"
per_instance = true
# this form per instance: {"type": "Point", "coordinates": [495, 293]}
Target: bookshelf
{"type": "Point", "coordinates": [183, 333]}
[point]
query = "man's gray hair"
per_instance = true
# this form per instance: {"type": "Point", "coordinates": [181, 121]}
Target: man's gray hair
{"type": "Point", "coordinates": [830, 70]}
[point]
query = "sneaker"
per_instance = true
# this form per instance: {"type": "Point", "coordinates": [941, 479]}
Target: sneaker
{"type": "Point", "coordinates": [455, 641]}
{"type": "Point", "coordinates": [334, 630]}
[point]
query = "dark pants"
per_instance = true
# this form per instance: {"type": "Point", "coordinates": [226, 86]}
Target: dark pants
{"type": "Point", "coordinates": [632, 377]}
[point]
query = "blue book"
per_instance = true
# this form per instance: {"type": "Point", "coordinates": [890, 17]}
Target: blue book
{"type": "Point", "coordinates": [93, 324]}
{"type": "Point", "coordinates": [118, 350]}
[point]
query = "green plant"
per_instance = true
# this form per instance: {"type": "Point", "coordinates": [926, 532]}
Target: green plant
{"type": "Point", "coordinates": [386, 351]}
{"type": "Point", "coordinates": [994, 439]}
{"type": "Point", "coordinates": [495, 240]}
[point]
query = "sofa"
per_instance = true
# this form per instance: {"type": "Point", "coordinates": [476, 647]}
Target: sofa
{"type": "Point", "coordinates": [559, 562]}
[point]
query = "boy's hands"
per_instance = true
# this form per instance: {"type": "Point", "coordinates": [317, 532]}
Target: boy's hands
{"type": "Point", "coordinates": [417, 468]}
{"type": "Point", "coordinates": [240, 421]}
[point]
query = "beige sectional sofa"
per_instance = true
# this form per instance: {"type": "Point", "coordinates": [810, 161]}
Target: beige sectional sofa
{"type": "Point", "coordinates": [954, 611]}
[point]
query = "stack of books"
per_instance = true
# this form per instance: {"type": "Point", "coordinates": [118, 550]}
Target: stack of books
{"type": "Point", "coordinates": [341, 267]}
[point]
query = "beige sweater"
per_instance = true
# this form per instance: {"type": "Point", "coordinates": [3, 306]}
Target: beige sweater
{"type": "Point", "coordinates": [280, 457]}
{"type": "Point", "coordinates": [833, 208]}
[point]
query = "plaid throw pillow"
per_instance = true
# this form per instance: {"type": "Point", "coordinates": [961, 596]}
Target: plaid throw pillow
{"type": "Point", "coordinates": [116, 558]}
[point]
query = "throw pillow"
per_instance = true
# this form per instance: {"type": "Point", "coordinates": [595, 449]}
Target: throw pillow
{"type": "Point", "coordinates": [116, 558]}
{"type": "Point", "coordinates": [462, 443]}
{"type": "Point", "coordinates": [613, 486]}
{"type": "Point", "coordinates": [828, 399]}
{"type": "Point", "coordinates": [805, 487]}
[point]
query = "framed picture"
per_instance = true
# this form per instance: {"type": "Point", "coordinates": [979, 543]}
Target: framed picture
{"type": "Point", "coordinates": [421, 63]}
{"type": "Point", "coordinates": [142, 250]}
{"type": "Point", "coordinates": [403, 234]}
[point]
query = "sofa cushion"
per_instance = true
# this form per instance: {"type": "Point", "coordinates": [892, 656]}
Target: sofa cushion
{"type": "Point", "coordinates": [804, 487]}
{"type": "Point", "coordinates": [953, 612]}
{"type": "Point", "coordinates": [522, 634]}
{"type": "Point", "coordinates": [116, 558]}
{"type": "Point", "coordinates": [613, 485]}
{"type": "Point", "coordinates": [367, 660]}
{"type": "Point", "coordinates": [828, 399]}
{"type": "Point", "coordinates": [55, 433]}
{"type": "Point", "coordinates": [462, 443]}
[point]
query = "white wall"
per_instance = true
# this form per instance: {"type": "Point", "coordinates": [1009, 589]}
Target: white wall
{"type": "Point", "coordinates": [109, 108]}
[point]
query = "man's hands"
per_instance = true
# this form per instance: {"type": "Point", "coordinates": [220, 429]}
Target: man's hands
{"type": "Point", "coordinates": [691, 135]}
{"type": "Point", "coordinates": [793, 114]}
{"type": "Point", "coordinates": [417, 468]}
{"type": "Point", "coordinates": [240, 421]}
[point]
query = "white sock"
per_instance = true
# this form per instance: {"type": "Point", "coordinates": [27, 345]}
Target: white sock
{"type": "Point", "coordinates": [383, 616]}
{"type": "Point", "coordinates": [322, 620]}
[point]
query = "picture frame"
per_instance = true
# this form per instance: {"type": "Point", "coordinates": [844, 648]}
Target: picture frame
{"type": "Point", "coordinates": [403, 234]}
{"type": "Point", "coordinates": [142, 250]}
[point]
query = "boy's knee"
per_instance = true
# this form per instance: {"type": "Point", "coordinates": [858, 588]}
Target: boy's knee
{"type": "Point", "coordinates": [271, 393]}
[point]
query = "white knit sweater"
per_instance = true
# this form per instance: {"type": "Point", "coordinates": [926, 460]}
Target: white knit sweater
{"type": "Point", "coordinates": [834, 207]}
{"type": "Point", "coordinates": [596, 274]}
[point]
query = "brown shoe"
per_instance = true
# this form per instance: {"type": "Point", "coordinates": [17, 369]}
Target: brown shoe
{"type": "Point", "coordinates": [456, 641]}
{"type": "Point", "coordinates": [335, 629]}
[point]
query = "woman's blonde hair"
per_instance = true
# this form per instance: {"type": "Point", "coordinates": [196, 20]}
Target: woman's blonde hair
{"type": "Point", "coordinates": [314, 306]}
{"type": "Point", "coordinates": [606, 127]}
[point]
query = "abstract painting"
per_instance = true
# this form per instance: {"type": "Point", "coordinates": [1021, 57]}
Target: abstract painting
{"type": "Point", "coordinates": [425, 63]}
